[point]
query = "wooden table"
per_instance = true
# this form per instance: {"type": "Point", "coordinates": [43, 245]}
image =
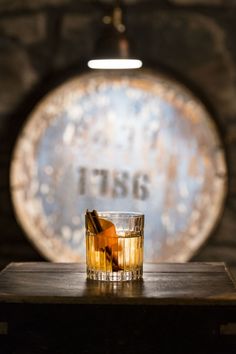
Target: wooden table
{"type": "Point", "coordinates": [176, 308]}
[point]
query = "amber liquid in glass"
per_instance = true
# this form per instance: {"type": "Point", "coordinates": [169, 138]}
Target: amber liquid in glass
{"type": "Point", "coordinates": [123, 262]}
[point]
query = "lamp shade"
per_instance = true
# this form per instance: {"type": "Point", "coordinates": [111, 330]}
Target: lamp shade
{"type": "Point", "coordinates": [114, 50]}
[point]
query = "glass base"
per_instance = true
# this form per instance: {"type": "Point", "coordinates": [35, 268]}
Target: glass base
{"type": "Point", "coordinates": [115, 276]}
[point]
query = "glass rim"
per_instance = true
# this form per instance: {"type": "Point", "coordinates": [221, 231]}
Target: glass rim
{"type": "Point", "coordinates": [120, 213]}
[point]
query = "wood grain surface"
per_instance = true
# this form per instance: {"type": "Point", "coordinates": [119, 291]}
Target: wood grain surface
{"type": "Point", "coordinates": [179, 307]}
{"type": "Point", "coordinates": [173, 283]}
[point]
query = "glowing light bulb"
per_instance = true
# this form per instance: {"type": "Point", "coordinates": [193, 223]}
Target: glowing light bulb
{"type": "Point", "coordinates": [115, 64]}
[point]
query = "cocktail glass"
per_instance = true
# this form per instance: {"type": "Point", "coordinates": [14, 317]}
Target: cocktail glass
{"type": "Point", "coordinates": [115, 253]}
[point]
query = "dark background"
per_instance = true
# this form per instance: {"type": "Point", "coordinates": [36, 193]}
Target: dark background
{"type": "Point", "coordinates": [45, 41]}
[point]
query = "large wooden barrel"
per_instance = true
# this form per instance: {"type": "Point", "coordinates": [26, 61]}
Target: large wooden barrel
{"type": "Point", "coordinates": [119, 141]}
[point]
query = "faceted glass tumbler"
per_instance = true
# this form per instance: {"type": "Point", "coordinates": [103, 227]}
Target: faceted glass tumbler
{"type": "Point", "coordinates": [120, 257]}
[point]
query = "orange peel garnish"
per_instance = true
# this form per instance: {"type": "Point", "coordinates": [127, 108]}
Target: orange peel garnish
{"type": "Point", "coordinates": [108, 237]}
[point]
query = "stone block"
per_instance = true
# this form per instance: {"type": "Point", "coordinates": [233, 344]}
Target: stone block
{"type": "Point", "coordinates": [7, 5]}
{"type": "Point", "coordinates": [27, 29]}
{"type": "Point", "coordinates": [232, 189]}
{"type": "Point", "coordinates": [78, 36]}
{"type": "Point", "coordinates": [74, 24]}
{"type": "Point", "coordinates": [17, 76]}
{"type": "Point", "coordinates": [11, 5]}
{"type": "Point", "coordinates": [3, 127]}
{"type": "Point", "coordinates": [231, 158]}
{"type": "Point", "coordinates": [131, 2]}
{"type": "Point", "coordinates": [10, 227]}
{"type": "Point", "coordinates": [194, 45]}
{"type": "Point", "coordinates": [5, 202]}
{"type": "Point", "coordinates": [208, 3]}
{"type": "Point", "coordinates": [198, 2]}
{"type": "Point", "coordinates": [4, 177]}
{"type": "Point", "coordinates": [230, 132]}
{"type": "Point", "coordinates": [18, 250]}
{"type": "Point", "coordinates": [217, 253]}
{"type": "Point", "coordinates": [226, 229]}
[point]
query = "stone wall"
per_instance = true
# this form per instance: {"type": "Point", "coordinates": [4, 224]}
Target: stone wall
{"type": "Point", "coordinates": [45, 40]}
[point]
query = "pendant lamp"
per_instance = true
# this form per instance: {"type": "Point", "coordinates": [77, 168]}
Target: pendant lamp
{"type": "Point", "coordinates": [113, 49]}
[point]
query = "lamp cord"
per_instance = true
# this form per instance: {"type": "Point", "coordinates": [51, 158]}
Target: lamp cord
{"type": "Point", "coordinates": [117, 17]}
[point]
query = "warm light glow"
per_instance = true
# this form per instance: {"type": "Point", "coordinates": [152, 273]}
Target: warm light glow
{"type": "Point", "coordinates": [115, 64]}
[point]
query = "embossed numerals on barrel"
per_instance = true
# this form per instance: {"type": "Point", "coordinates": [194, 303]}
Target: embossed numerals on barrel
{"type": "Point", "coordinates": [113, 184]}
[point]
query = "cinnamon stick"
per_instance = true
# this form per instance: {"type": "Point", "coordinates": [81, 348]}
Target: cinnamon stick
{"type": "Point", "coordinates": [97, 228]}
